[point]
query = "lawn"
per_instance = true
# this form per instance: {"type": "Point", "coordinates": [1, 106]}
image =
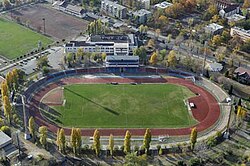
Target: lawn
{"type": "Point", "coordinates": [125, 106]}
{"type": "Point", "coordinates": [16, 40]}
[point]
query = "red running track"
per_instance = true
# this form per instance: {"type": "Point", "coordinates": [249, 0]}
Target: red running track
{"type": "Point", "coordinates": [207, 109]}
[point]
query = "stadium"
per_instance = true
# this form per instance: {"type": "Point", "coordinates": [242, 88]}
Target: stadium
{"type": "Point", "coordinates": [166, 101]}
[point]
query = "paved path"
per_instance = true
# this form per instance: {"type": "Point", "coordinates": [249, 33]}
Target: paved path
{"type": "Point", "coordinates": [207, 109]}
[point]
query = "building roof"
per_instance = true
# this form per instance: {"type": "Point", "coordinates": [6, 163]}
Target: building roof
{"type": "Point", "coordinates": [107, 40]}
{"type": "Point", "coordinates": [141, 12]}
{"type": "Point", "coordinates": [242, 71]}
{"type": "Point", "coordinates": [60, 3]}
{"type": "Point", "coordinates": [163, 5]}
{"type": "Point", "coordinates": [4, 139]}
{"type": "Point", "coordinates": [214, 27]}
{"type": "Point", "coordinates": [114, 4]}
{"type": "Point", "coordinates": [230, 8]}
{"type": "Point", "coordinates": [215, 66]}
{"type": "Point", "coordinates": [242, 30]}
{"type": "Point", "coordinates": [110, 38]}
{"type": "Point", "coordinates": [235, 17]}
{"type": "Point", "coordinates": [74, 8]}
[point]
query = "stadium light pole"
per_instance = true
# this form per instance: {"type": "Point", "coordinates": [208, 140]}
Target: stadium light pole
{"type": "Point", "coordinates": [204, 60]}
{"type": "Point", "coordinates": [26, 132]}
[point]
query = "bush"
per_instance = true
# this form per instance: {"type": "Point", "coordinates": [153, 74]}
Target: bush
{"type": "Point", "coordinates": [6, 130]}
{"type": "Point", "coordinates": [160, 151]}
{"type": "Point", "coordinates": [136, 148]}
{"type": "Point", "coordinates": [180, 163]}
{"type": "Point", "coordinates": [212, 141]}
{"type": "Point", "coordinates": [195, 162]}
{"type": "Point", "coordinates": [45, 70]}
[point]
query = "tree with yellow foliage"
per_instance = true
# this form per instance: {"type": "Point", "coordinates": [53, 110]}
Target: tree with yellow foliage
{"type": "Point", "coordinates": [127, 142]}
{"type": "Point", "coordinates": [111, 144]}
{"type": "Point", "coordinates": [154, 58]}
{"type": "Point", "coordinates": [9, 80]}
{"type": "Point", "coordinates": [193, 137]}
{"type": "Point", "coordinates": [172, 60]}
{"type": "Point", "coordinates": [4, 89]}
{"type": "Point", "coordinates": [246, 4]}
{"type": "Point", "coordinates": [7, 108]}
{"type": "Point", "coordinates": [43, 135]}
{"type": "Point", "coordinates": [73, 140]}
{"type": "Point", "coordinates": [96, 143]}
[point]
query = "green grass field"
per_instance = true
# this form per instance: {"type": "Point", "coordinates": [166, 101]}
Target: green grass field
{"type": "Point", "coordinates": [16, 40]}
{"type": "Point", "coordinates": [125, 106]}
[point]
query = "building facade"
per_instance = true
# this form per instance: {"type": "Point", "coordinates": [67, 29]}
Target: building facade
{"type": "Point", "coordinates": [119, 49]}
{"type": "Point", "coordinates": [141, 16]}
{"type": "Point", "coordinates": [113, 9]}
{"type": "Point", "coordinates": [242, 33]}
{"type": "Point", "coordinates": [229, 11]}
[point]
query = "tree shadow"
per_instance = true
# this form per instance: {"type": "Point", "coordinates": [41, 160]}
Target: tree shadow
{"type": "Point", "coordinates": [105, 108]}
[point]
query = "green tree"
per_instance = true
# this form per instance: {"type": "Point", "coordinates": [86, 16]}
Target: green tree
{"type": "Point", "coordinates": [15, 78]}
{"type": "Point", "coordinates": [80, 54]}
{"type": "Point", "coordinates": [7, 108]}
{"type": "Point", "coordinates": [147, 140]}
{"type": "Point", "coordinates": [32, 127]}
{"type": "Point", "coordinates": [6, 130]}
{"type": "Point", "coordinates": [131, 159]}
{"type": "Point", "coordinates": [127, 142]}
{"type": "Point", "coordinates": [193, 137]}
{"type": "Point", "coordinates": [69, 58]}
{"type": "Point", "coordinates": [141, 52]}
{"type": "Point", "coordinates": [172, 60]}
{"type": "Point", "coordinates": [43, 61]}
{"type": "Point", "coordinates": [43, 135]}
{"type": "Point", "coordinates": [96, 143]}
{"type": "Point", "coordinates": [111, 144]}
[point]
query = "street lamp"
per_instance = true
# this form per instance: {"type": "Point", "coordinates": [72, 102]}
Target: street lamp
{"type": "Point", "coordinates": [44, 31]}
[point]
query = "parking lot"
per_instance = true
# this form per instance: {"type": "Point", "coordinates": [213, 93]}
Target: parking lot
{"type": "Point", "coordinates": [65, 26]}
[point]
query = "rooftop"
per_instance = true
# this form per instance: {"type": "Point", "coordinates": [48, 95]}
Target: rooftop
{"type": "Point", "coordinates": [230, 8]}
{"type": "Point", "coordinates": [114, 4]}
{"type": "Point", "coordinates": [4, 139]}
{"type": "Point", "coordinates": [214, 27]}
{"type": "Point", "coordinates": [110, 38]}
{"type": "Point", "coordinates": [74, 8]}
{"type": "Point", "coordinates": [236, 17]}
{"type": "Point", "coordinates": [163, 5]}
{"type": "Point", "coordinates": [141, 12]}
{"type": "Point", "coordinates": [242, 30]}
{"type": "Point", "coordinates": [241, 70]}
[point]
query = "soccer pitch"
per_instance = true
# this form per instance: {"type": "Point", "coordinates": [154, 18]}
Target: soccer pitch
{"type": "Point", "coordinates": [125, 106]}
{"type": "Point", "coordinates": [16, 40]}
